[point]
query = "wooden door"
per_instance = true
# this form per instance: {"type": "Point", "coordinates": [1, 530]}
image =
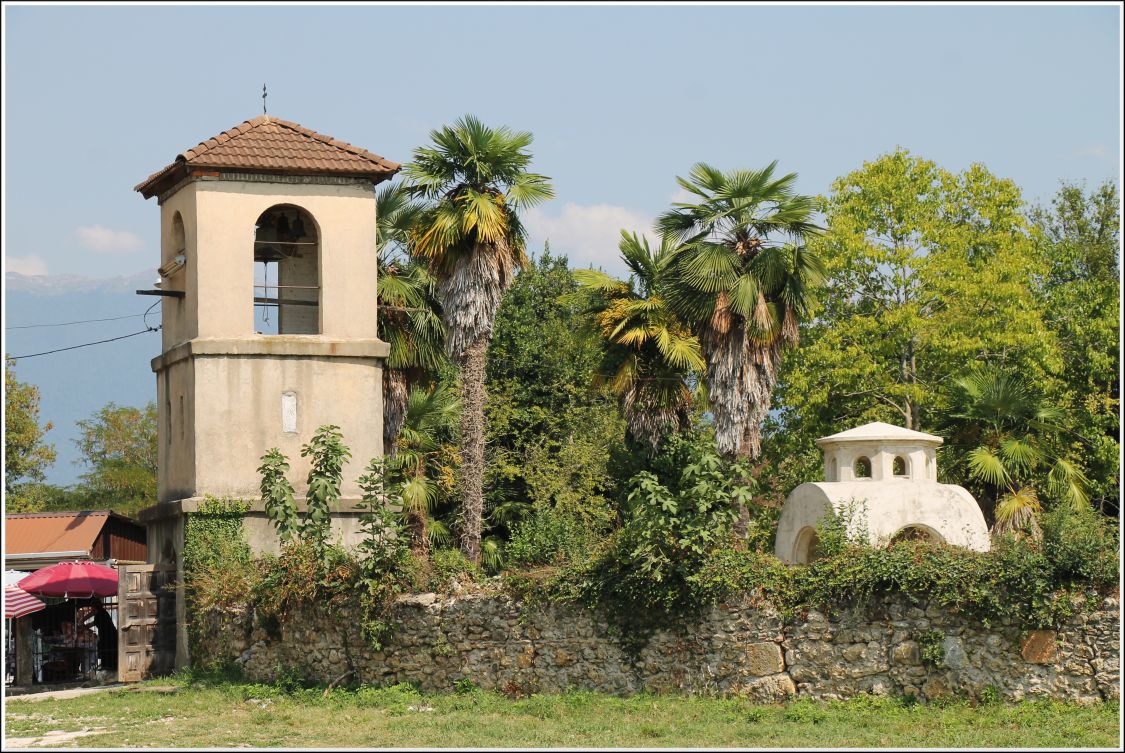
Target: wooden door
{"type": "Point", "coordinates": [146, 621]}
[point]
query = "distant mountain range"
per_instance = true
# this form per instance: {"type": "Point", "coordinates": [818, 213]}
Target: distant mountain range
{"type": "Point", "coordinates": [74, 384]}
{"type": "Point", "coordinates": [58, 284]}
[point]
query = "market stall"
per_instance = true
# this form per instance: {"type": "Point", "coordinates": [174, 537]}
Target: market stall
{"type": "Point", "coordinates": [74, 635]}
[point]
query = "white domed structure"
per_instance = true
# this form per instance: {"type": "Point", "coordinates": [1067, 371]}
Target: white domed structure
{"type": "Point", "coordinates": [889, 475]}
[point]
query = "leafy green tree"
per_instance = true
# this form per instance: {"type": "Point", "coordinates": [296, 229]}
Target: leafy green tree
{"type": "Point", "coordinates": [1005, 437]}
{"type": "Point", "coordinates": [650, 354]}
{"type": "Point", "coordinates": [931, 272]}
{"type": "Point", "coordinates": [119, 447]}
{"type": "Point", "coordinates": [743, 279]}
{"type": "Point", "coordinates": [409, 312]}
{"type": "Point", "coordinates": [26, 455]}
{"type": "Point", "coordinates": [1079, 239]}
{"type": "Point", "coordinates": [475, 180]}
{"type": "Point", "coordinates": [553, 438]}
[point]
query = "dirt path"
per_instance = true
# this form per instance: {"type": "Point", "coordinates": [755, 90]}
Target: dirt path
{"type": "Point", "coordinates": [54, 737]}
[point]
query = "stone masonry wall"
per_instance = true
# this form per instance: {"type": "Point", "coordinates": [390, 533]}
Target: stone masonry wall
{"type": "Point", "coordinates": [737, 649]}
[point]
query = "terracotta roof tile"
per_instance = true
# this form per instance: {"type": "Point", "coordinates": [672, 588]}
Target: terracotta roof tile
{"type": "Point", "coordinates": [275, 145]}
{"type": "Point", "coordinates": [53, 532]}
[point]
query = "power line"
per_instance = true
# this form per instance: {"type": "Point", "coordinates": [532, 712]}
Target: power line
{"type": "Point", "coordinates": [83, 321]}
{"type": "Point", "coordinates": [83, 345]}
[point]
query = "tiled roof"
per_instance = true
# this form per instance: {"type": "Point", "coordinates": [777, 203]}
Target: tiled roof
{"type": "Point", "coordinates": [53, 531]}
{"type": "Point", "coordinates": [274, 145]}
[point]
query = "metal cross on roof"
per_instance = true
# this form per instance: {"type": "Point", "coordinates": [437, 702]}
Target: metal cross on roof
{"type": "Point", "coordinates": [264, 95]}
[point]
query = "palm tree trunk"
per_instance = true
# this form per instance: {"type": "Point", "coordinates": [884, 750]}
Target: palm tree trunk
{"type": "Point", "coordinates": [419, 536]}
{"type": "Point", "coordinates": [472, 367]}
{"type": "Point", "coordinates": [762, 366]}
{"type": "Point", "coordinates": [396, 395]}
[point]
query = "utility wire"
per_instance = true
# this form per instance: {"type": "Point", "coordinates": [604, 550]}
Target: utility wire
{"type": "Point", "coordinates": [83, 321]}
{"type": "Point", "coordinates": [83, 345]}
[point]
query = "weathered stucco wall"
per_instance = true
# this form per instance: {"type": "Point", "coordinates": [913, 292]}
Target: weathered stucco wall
{"type": "Point", "coordinates": [737, 649]}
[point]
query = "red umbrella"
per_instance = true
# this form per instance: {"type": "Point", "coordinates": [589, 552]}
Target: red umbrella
{"type": "Point", "coordinates": [72, 580]}
{"type": "Point", "coordinates": [18, 602]}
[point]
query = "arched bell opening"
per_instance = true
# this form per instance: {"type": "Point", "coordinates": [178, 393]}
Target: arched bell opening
{"type": "Point", "coordinates": [286, 272]}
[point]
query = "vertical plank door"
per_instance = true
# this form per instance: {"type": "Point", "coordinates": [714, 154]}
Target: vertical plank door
{"type": "Point", "coordinates": [146, 621]}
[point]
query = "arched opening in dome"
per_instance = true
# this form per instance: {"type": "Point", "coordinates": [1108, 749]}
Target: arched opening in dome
{"type": "Point", "coordinates": [862, 467]}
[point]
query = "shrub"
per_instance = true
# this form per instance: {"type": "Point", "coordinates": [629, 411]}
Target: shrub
{"type": "Point", "coordinates": [839, 531]}
{"type": "Point", "coordinates": [550, 537]}
{"type": "Point", "coordinates": [1081, 546]}
{"type": "Point", "coordinates": [678, 513]}
{"type": "Point", "coordinates": [931, 647]}
{"type": "Point", "coordinates": [448, 569]}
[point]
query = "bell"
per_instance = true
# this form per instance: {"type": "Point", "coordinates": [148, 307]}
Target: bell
{"type": "Point", "coordinates": [298, 228]}
{"type": "Point", "coordinates": [283, 232]}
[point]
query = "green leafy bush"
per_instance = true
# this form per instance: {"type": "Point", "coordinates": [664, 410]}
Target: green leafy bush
{"type": "Point", "coordinates": [840, 531]}
{"type": "Point", "coordinates": [931, 647]}
{"type": "Point", "coordinates": [1082, 545]}
{"type": "Point", "coordinates": [449, 568]}
{"type": "Point", "coordinates": [550, 537]}
{"type": "Point", "coordinates": [678, 513]}
{"type": "Point", "coordinates": [327, 454]}
{"type": "Point", "coordinates": [1016, 580]}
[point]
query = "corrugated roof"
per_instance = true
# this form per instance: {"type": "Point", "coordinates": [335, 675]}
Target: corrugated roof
{"type": "Point", "coordinates": [29, 533]}
{"type": "Point", "coordinates": [274, 145]}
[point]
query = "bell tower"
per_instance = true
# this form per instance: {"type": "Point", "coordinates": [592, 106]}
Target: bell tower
{"type": "Point", "coordinates": [268, 284]}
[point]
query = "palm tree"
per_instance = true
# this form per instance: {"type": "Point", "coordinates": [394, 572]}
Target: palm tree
{"type": "Point", "coordinates": [430, 416]}
{"type": "Point", "coordinates": [649, 353]}
{"type": "Point", "coordinates": [409, 313]}
{"type": "Point", "coordinates": [1008, 431]}
{"type": "Point", "coordinates": [741, 276]}
{"type": "Point", "coordinates": [475, 181]}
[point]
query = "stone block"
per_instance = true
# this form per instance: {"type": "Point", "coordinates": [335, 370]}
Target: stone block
{"type": "Point", "coordinates": [906, 653]}
{"type": "Point", "coordinates": [764, 659]}
{"type": "Point", "coordinates": [1040, 647]}
{"type": "Point", "coordinates": [935, 688]}
{"type": "Point", "coordinates": [774, 689]}
{"type": "Point", "coordinates": [954, 652]}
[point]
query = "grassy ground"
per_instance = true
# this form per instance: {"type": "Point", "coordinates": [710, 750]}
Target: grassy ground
{"type": "Point", "coordinates": [182, 714]}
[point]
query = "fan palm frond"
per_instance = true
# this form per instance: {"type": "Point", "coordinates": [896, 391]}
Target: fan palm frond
{"type": "Point", "coordinates": [1018, 513]}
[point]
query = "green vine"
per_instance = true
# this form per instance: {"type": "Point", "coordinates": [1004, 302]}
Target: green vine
{"type": "Point", "coordinates": [931, 647]}
{"type": "Point", "coordinates": [217, 568]}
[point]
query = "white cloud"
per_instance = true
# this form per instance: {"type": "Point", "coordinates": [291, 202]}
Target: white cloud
{"type": "Point", "coordinates": [682, 196]}
{"type": "Point", "coordinates": [108, 241]}
{"type": "Point", "coordinates": [588, 235]}
{"type": "Point", "coordinates": [25, 265]}
{"type": "Point", "coordinates": [1098, 151]}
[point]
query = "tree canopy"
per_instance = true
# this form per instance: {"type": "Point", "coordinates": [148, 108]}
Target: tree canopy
{"type": "Point", "coordinates": [27, 454]}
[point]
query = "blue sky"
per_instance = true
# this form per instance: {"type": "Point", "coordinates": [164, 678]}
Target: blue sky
{"type": "Point", "coordinates": [620, 99]}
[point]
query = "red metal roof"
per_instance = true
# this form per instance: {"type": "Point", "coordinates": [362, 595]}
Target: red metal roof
{"type": "Point", "coordinates": [29, 533]}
